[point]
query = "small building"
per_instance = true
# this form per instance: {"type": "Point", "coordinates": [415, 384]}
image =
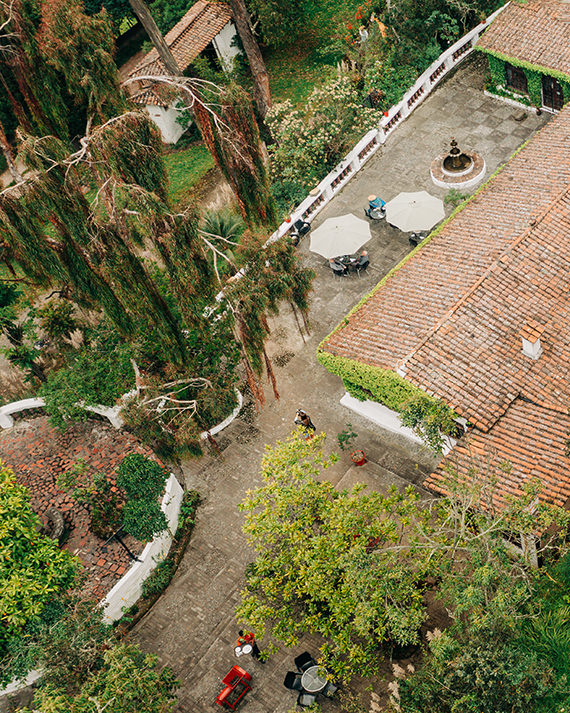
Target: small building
{"type": "Point", "coordinates": [206, 29]}
{"type": "Point", "coordinates": [528, 48]}
{"type": "Point", "coordinates": [478, 318]}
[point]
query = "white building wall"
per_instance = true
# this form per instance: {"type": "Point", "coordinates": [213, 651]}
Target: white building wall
{"type": "Point", "coordinates": [165, 118]}
{"type": "Point", "coordinates": [225, 49]}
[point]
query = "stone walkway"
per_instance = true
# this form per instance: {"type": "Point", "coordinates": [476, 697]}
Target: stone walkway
{"type": "Point", "coordinates": [192, 627]}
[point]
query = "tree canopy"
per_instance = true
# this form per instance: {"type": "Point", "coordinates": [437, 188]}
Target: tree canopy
{"type": "Point", "coordinates": [33, 568]}
{"type": "Point", "coordinates": [324, 561]}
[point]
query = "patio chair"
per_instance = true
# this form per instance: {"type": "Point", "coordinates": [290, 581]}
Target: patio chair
{"type": "Point", "coordinates": [293, 681]}
{"type": "Point", "coordinates": [302, 227]}
{"type": "Point", "coordinates": [329, 690]}
{"type": "Point", "coordinates": [304, 661]}
{"type": "Point", "coordinates": [362, 264]}
{"type": "Point", "coordinates": [305, 699]}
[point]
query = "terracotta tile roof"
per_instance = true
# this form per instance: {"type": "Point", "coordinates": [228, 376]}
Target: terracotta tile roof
{"type": "Point", "coordinates": [156, 95]}
{"type": "Point", "coordinates": [451, 317]}
{"type": "Point", "coordinates": [188, 37]}
{"type": "Point", "coordinates": [536, 31]}
{"type": "Point", "coordinates": [532, 440]}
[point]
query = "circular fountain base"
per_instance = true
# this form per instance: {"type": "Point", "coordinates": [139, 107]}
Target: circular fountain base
{"type": "Point", "coordinates": [458, 179]}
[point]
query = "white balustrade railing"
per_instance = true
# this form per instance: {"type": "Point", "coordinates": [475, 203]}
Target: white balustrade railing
{"type": "Point", "coordinates": [371, 142]}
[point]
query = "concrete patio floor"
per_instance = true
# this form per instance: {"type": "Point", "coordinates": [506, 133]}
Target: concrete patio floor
{"type": "Point", "coordinates": [192, 627]}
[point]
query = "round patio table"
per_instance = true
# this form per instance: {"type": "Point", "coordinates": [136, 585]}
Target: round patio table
{"type": "Point", "coordinates": [314, 679]}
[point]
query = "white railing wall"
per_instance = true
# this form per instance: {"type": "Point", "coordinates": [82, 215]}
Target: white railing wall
{"type": "Point", "coordinates": [371, 142]}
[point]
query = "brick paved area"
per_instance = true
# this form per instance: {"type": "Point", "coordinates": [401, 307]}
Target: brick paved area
{"type": "Point", "coordinates": [192, 627]}
{"type": "Point", "coordinates": [38, 454]}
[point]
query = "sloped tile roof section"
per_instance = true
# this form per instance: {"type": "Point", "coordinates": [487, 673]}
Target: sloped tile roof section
{"type": "Point", "coordinates": [188, 37]}
{"type": "Point", "coordinates": [475, 360]}
{"type": "Point", "coordinates": [528, 442]}
{"type": "Point", "coordinates": [451, 317]}
{"type": "Point", "coordinates": [536, 31]}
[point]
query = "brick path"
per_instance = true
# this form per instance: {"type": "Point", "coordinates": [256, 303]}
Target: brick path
{"type": "Point", "coordinates": [38, 454]}
{"type": "Point", "coordinates": [192, 627]}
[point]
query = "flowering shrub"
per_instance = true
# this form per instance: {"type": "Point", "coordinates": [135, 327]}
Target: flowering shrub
{"type": "Point", "coordinates": [308, 143]}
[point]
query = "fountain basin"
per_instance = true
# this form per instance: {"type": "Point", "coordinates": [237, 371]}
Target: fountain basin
{"type": "Point", "coordinates": [472, 172]}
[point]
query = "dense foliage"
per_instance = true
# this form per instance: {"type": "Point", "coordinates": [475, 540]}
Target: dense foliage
{"type": "Point", "coordinates": [128, 681]}
{"type": "Point", "coordinates": [34, 570]}
{"type": "Point", "coordinates": [310, 141]}
{"type": "Point", "coordinates": [142, 480]}
{"type": "Point", "coordinates": [99, 372]}
{"type": "Point", "coordinates": [326, 563]}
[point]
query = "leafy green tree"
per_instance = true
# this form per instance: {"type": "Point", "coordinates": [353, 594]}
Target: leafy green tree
{"type": "Point", "coordinates": [34, 570]}
{"type": "Point", "coordinates": [281, 21]}
{"type": "Point", "coordinates": [128, 681]}
{"type": "Point", "coordinates": [143, 481]}
{"type": "Point", "coordinates": [325, 561]}
{"type": "Point", "coordinates": [117, 9]}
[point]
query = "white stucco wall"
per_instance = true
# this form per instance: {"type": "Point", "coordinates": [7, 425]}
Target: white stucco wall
{"type": "Point", "coordinates": [223, 44]}
{"type": "Point", "coordinates": [388, 419]}
{"type": "Point", "coordinates": [129, 588]}
{"type": "Point", "coordinates": [165, 119]}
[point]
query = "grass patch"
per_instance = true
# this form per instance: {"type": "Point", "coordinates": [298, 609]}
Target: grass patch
{"type": "Point", "coordinates": [295, 70]}
{"type": "Point", "coordinates": [185, 169]}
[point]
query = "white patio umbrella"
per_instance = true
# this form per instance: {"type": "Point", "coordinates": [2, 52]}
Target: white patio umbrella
{"type": "Point", "coordinates": [414, 211]}
{"type": "Point", "coordinates": [340, 236]}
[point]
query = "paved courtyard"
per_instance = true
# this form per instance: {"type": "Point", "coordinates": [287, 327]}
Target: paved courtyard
{"type": "Point", "coordinates": [192, 627]}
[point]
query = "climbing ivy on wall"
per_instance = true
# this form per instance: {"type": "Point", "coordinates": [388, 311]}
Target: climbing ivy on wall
{"type": "Point", "coordinates": [533, 74]}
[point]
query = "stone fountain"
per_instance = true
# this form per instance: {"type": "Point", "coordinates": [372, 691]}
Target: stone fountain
{"type": "Point", "coordinates": [457, 168]}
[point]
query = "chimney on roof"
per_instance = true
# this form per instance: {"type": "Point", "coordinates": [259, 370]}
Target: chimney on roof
{"type": "Point", "coordinates": [530, 335]}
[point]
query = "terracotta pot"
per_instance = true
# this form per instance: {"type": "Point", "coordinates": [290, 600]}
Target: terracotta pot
{"type": "Point", "coordinates": [358, 457]}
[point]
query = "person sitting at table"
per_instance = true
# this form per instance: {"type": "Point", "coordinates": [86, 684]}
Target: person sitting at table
{"type": "Point", "coordinates": [376, 209]}
{"type": "Point", "coordinates": [337, 267]}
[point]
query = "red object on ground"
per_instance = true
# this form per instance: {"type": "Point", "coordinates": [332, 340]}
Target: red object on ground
{"type": "Point", "coordinates": [358, 457]}
{"type": "Point", "coordinates": [236, 686]}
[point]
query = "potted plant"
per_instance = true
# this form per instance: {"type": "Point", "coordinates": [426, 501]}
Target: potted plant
{"type": "Point", "coordinates": [358, 457]}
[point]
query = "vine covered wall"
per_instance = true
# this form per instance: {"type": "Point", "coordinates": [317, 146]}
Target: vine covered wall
{"type": "Point", "coordinates": [533, 74]}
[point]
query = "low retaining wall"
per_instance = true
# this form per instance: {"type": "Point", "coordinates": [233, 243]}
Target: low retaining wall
{"type": "Point", "coordinates": [6, 420]}
{"type": "Point", "coordinates": [390, 420]}
{"type": "Point", "coordinates": [371, 142]}
{"type": "Point", "coordinates": [129, 588]}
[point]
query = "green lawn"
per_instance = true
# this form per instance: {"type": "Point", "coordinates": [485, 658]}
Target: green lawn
{"type": "Point", "coordinates": [185, 169]}
{"type": "Point", "coordinates": [295, 70]}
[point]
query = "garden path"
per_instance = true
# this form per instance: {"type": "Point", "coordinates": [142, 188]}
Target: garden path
{"type": "Point", "coordinates": [192, 627]}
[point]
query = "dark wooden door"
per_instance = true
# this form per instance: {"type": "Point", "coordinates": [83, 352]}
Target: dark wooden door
{"type": "Point", "coordinates": [552, 94]}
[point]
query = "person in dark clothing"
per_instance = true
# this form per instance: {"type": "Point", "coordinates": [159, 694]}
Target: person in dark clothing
{"type": "Point", "coordinates": [303, 419]}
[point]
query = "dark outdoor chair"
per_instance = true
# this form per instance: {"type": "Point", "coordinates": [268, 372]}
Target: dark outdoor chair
{"type": "Point", "coordinates": [302, 227]}
{"type": "Point", "coordinates": [305, 699]}
{"type": "Point", "coordinates": [293, 681]}
{"type": "Point", "coordinates": [416, 238]}
{"type": "Point", "coordinates": [304, 661]}
{"type": "Point", "coordinates": [329, 690]}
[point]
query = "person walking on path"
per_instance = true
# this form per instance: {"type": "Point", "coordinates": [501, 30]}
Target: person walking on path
{"type": "Point", "coordinates": [302, 418]}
